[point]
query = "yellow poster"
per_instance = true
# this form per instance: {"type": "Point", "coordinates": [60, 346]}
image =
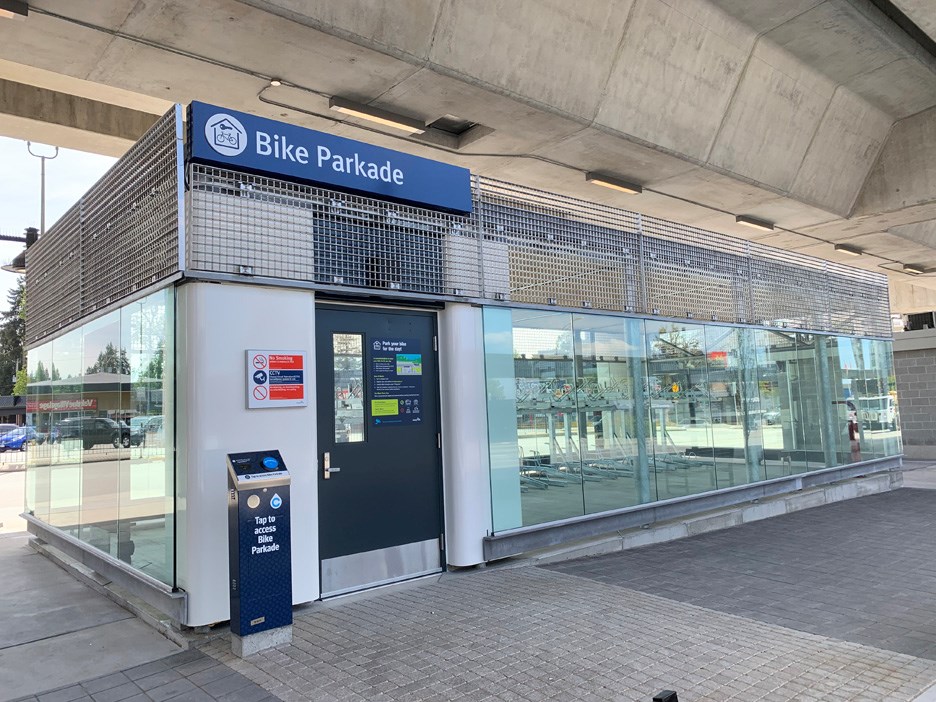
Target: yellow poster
{"type": "Point", "coordinates": [383, 408]}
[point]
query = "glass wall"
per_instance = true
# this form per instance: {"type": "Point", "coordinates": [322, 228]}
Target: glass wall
{"type": "Point", "coordinates": [589, 413]}
{"type": "Point", "coordinates": [101, 467]}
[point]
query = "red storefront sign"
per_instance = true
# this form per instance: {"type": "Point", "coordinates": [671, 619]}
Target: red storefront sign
{"type": "Point", "coordinates": [62, 405]}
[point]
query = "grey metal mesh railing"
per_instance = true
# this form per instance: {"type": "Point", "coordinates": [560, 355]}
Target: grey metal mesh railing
{"type": "Point", "coordinates": [519, 245]}
{"type": "Point", "coordinates": [120, 237]}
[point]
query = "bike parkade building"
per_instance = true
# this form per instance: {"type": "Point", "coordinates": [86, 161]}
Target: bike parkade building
{"type": "Point", "coordinates": [483, 368]}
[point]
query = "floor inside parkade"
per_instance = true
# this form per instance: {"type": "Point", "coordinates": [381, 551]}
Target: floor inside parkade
{"type": "Point", "coordinates": [835, 602]}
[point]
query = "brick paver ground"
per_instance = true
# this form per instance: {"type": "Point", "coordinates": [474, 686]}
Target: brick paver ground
{"type": "Point", "coordinates": [190, 676]}
{"type": "Point", "coordinates": [862, 571]}
{"type": "Point", "coordinates": [536, 634]}
{"type": "Point", "coordinates": [817, 605]}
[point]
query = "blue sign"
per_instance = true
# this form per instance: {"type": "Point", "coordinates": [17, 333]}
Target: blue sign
{"type": "Point", "coordinates": [396, 381]}
{"type": "Point", "coordinates": [286, 377]}
{"type": "Point", "coordinates": [240, 141]}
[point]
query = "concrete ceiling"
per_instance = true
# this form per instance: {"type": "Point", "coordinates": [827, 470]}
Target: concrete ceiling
{"type": "Point", "coordinates": [818, 115]}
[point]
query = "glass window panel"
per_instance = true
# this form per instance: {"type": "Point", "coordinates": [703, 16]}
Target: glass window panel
{"type": "Point", "coordinates": [503, 429]}
{"type": "Point", "coordinates": [65, 458]}
{"type": "Point", "coordinates": [875, 399]}
{"type": "Point", "coordinates": [547, 416]}
{"type": "Point", "coordinates": [680, 409]}
{"type": "Point", "coordinates": [533, 417]}
{"type": "Point", "coordinates": [806, 376]}
{"type": "Point", "coordinates": [104, 370]}
{"type": "Point", "coordinates": [610, 368]}
{"type": "Point", "coordinates": [39, 415]}
{"type": "Point", "coordinates": [782, 417]}
{"type": "Point", "coordinates": [144, 536]}
{"type": "Point", "coordinates": [348, 359]}
{"type": "Point", "coordinates": [848, 379]}
{"type": "Point", "coordinates": [839, 410]}
{"type": "Point", "coordinates": [735, 405]}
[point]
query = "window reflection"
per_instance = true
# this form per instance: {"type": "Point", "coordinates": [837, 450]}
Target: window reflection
{"type": "Point", "coordinates": [588, 412]}
{"type": "Point", "coordinates": [680, 408]}
{"type": "Point", "coordinates": [348, 355]}
{"type": "Point", "coordinates": [98, 397]}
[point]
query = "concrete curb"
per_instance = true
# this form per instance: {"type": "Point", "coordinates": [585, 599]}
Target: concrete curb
{"type": "Point", "coordinates": [713, 520]}
{"type": "Point", "coordinates": [160, 622]}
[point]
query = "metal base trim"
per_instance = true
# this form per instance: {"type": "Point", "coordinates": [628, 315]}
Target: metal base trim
{"type": "Point", "coordinates": [361, 571]}
{"type": "Point", "coordinates": [153, 592]}
{"type": "Point", "coordinates": [518, 541]}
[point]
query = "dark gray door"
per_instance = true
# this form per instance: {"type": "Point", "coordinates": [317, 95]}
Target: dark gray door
{"type": "Point", "coordinates": [380, 469]}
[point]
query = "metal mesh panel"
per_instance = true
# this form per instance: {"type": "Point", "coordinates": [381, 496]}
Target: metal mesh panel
{"type": "Point", "coordinates": [54, 264]}
{"type": "Point", "coordinates": [120, 237]}
{"type": "Point", "coordinates": [266, 227]}
{"type": "Point", "coordinates": [560, 255]}
{"type": "Point", "coordinates": [521, 245]}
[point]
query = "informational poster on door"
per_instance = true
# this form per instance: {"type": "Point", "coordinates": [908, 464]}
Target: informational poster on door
{"type": "Point", "coordinates": [396, 382]}
{"type": "Point", "coordinates": [276, 379]}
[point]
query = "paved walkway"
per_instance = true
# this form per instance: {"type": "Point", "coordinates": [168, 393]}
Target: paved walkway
{"type": "Point", "coordinates": [836, 602]}
{"type": "Point", "coordinates": [54, 631]}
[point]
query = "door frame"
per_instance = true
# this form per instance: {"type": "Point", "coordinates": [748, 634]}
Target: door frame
{"type": "Point", "coordinates": [431, 311]}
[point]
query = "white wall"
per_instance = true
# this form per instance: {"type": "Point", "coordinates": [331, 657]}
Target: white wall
{"type": "Point", "coordinates": [464, 434]}
{"type": "Point", "coordinates": [216, 324]}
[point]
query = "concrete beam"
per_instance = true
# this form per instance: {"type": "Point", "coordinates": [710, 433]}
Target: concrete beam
{"type": "Point", "coordinates": [38, 114]}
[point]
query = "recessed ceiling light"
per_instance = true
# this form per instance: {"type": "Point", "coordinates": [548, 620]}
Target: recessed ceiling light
{"type": "Point", "coordinates": [373, 114]}
{"type": "Point", "coordinates": [850, 250]}
{"type": "Point", "coordinates": [613, 183]}
{"type": "Point", "coordinates": [755, 223]}
{"type": "Point", "coordinates": [913, 269]}
{"type": "Point", "coordinates": [275, 82]}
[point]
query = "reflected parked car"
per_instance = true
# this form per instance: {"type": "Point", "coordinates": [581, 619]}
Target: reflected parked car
{"type": "Point", "coordinates": [95, 430]}
{"type": "Point", "coordinates": [17, 439]}
{"type": "Point", "coordinates": [772, 417]}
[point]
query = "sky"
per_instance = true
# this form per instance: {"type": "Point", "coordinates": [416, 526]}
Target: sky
{"type": "Point", "coordinates": [68, 177]}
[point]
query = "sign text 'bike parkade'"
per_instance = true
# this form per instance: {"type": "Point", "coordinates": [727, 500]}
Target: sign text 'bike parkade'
{"type": "Point", "coordinates": [246, 142]}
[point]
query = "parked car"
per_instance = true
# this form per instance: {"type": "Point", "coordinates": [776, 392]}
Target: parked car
{"type": "Point", "coordinates": [136, 433]}
{"type": "Point", "coordinates": [16, 439]}
{"type": "Point", "coordinates": [880, 411]}
{"type": "Point", "coordinates": [4, 428]}
{"type": "Point", "coordinates": [96, 430]}
{"type": "Point", "coordinates": [772, 417]}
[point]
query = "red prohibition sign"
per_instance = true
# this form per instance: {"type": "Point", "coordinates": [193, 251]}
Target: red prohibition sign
{"type": "Point", "coordinates": [259, 361]}
{"type": "Point", "coordinates": [260, 392]}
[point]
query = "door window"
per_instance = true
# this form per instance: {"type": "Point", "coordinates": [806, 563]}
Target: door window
{"type": "Point", "coordinates": [349, 387]}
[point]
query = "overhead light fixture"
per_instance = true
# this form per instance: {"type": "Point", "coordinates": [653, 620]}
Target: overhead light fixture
{"type": "Point", "coordinates": [755, 223]}
{"type": "Point", "coordinates": [275, 82]}
{"type": "Point", "coordinates": [18, 264]}
{"type": "Point", "coordinates": [850, 250]}
{"type": "Point", "coordinates": [913, 269]}
{"type": "Point", "coordinates": [13, 9]}
{"type": "Point", "coordinates": [613, 183]}
{"type": "Point", "coordinates": [372, 114]}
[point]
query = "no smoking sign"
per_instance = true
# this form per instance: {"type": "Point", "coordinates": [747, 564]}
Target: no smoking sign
{"type": "Point", "coordinates": [276, 379]}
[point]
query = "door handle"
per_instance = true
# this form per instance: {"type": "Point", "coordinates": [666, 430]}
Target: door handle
{"type": "Point", "coordinates": [327, 466]}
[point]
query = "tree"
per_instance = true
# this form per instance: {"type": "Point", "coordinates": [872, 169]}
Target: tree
{"type": "Point", "coordinates": [12, 338]}
{"type": "Point", "coordinates": [110, 360]}
{"type": "Point", "coordinates": [154, 369]}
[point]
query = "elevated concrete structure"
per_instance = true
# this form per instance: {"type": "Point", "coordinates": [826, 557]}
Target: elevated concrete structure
{"type": "Point", "coordinates": [813, 114]}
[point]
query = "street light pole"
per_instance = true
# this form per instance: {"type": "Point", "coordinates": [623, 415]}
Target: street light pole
{"type": "Point", "coordinates": [42, 158]}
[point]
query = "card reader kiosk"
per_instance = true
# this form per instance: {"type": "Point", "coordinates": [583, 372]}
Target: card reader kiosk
{"type": "Point", "coordinates": [259, 547]}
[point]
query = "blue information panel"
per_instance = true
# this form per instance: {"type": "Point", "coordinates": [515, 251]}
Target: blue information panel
{"type": "Point", "coordinates": [240, 141]}
{"type": "Point", "coordinates": [396, 382]}
{"type": "Point", "coordinates": [259, 542]}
